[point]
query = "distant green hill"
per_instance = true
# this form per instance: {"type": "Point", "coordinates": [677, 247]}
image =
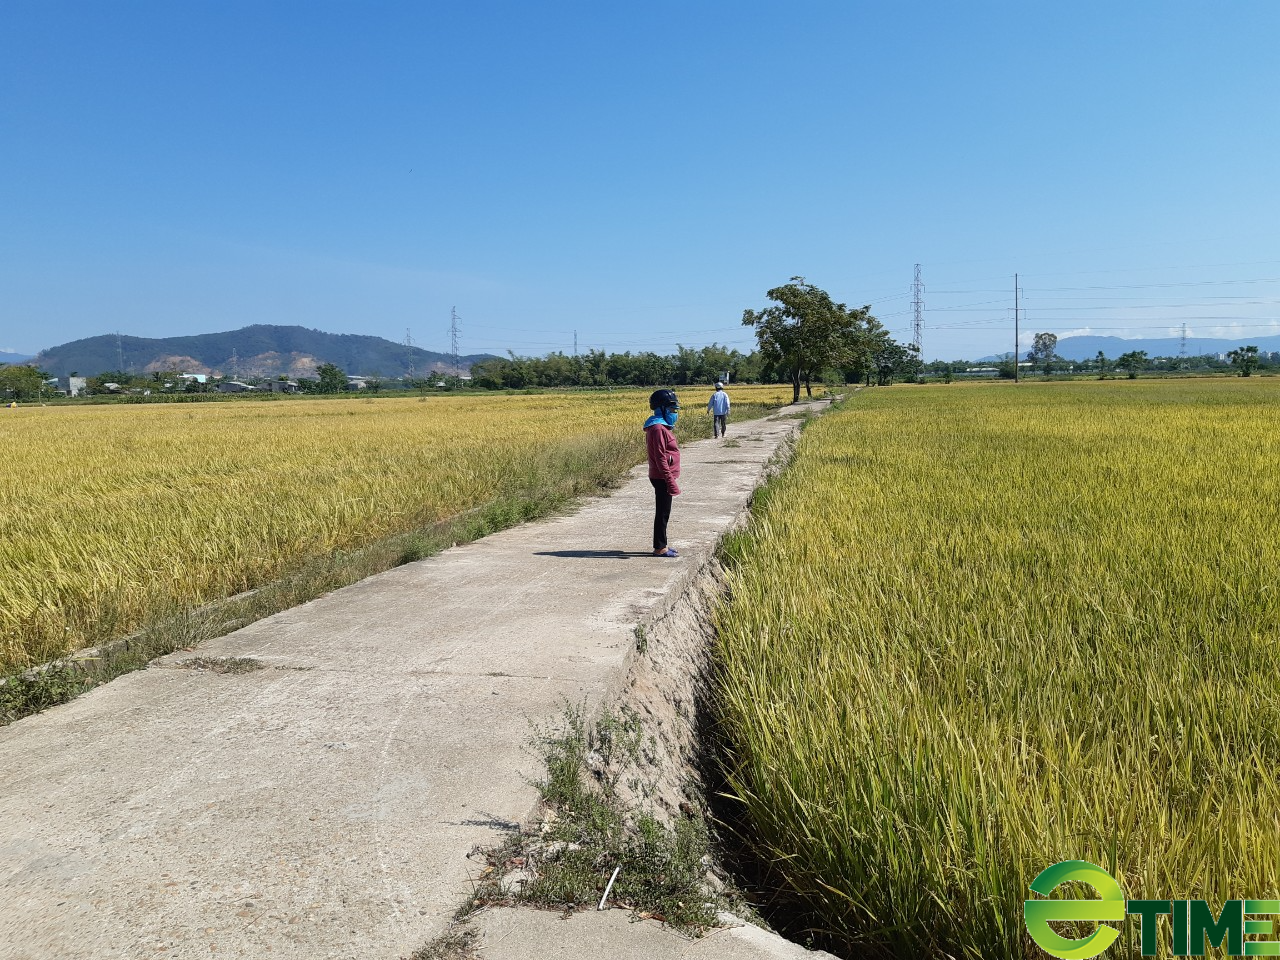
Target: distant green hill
{"type": "Point", "coordinates": [261, 350]}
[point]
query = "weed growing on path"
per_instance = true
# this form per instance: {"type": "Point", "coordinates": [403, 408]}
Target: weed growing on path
{"type": "Point", "coordinates": [585, 833]}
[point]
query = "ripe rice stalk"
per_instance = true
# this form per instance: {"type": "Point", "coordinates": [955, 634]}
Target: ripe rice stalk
{"type": "Point", "coordinates": [107, 512]}
{"type": "Point", "coordinates": [976, 630]}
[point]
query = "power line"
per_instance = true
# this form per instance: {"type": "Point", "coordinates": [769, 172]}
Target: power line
{"type": "Point", "coordinates": [1158, 286]}
{"type": "Point", "coordinates": [1267, 323]}
{"type": "Point", "coordinates": [1079, 308]}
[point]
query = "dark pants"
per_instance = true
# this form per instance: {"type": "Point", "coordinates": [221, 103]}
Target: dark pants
{"type": "Point", "coordinates": [662, 513]}
{"type": "Point", "coordinates": [721, 424]}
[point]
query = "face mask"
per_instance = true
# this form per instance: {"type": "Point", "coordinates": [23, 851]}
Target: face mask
{"type": "Point", "coordinates": [670, 416]}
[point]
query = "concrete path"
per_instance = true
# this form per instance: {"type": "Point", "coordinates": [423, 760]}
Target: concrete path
{"type": "Point", "coordinates": [324, 806]}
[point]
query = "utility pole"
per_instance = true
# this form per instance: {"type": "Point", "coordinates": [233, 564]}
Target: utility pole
{"type": "Point", "coordinates": [917, 303]}
{"type": "Point", "coordinates": [1015, 328]}
{"type": "Point", "coordinates": [453, 341]}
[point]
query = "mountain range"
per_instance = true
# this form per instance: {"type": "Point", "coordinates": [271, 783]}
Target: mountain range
{"type": "Point", "coordinates": [261, 350]}
{"type": "Point", "coordinates": [1086, 348]}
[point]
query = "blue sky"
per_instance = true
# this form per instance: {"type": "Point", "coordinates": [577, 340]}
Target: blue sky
{"type": "Point", "coordinates": [639, 173]}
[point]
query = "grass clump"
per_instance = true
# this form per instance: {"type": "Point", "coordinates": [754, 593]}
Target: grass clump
{"type": "Point", "coordinates": [222, 664]}
{"type": "Point", "coordinates": [37, 690]}
{"type": "Point", "coordinates": [457, 943]}
{"type": "Point", "coordinates": [586, 832]}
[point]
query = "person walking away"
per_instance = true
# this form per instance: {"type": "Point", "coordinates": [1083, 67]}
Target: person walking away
{"type": "Point", "coordinates": [664, 464]}
{"type": "Point", "coordinates": [719, 407]}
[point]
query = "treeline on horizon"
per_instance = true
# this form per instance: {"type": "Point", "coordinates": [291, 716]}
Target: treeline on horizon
{"type": "Point", "coordinates": [686, 366]}
{"type": "Point", "coordinates": [1134, 362]}
{"type": "Point", "coordinates": [596, 368]}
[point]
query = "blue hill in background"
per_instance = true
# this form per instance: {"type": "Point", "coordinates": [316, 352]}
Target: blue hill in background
{"type": "Point", "coordinates": [1086, 348]}
{"type": "Point", "coordinates": [260, 350]}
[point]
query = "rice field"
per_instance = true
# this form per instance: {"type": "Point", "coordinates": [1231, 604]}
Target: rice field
{"type": "Point", "coordinates": [109, 512]}
{"type": "Point", "coordinates": [979, 629]}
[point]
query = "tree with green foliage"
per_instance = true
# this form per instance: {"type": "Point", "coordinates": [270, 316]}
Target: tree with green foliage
{"type": "Point", "coordinates": [1244, 359]}
{"type": "Point", "coordinates": [21, 382]}
{"type": "Point", "coordinates": [806, 332]}
{"type": "Point", "coordinates": [1132, 362]}
{"type": "Point", "coordinates": [332, 379]}
{"type": "Point", "coordinates": [895, 361]}
{"type": "Point", "coordinates": [1043, 352]}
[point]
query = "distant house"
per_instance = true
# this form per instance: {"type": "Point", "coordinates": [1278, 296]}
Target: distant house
{"type": "Point", "coordinates": [233, 386]}
{"type": "Point", "coordinates": [72, 386]}
{"type": "Point", "coordinates": [196, 377]}
{"type": "Point", "coordinates": [279, 386]}
{"type": "Point", "coordinates": [357, 383]}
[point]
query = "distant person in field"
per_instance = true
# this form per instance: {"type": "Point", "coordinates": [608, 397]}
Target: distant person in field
{"type": "Point", "coordinates": [719, 407]}
{"type": "Point", "coordinates": [664, 464]}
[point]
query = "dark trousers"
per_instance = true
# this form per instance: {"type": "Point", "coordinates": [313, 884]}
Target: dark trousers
{"type": "Point", "coordinates": [720, 425]}
{"type": "Point", "coordinates": [662, 502]}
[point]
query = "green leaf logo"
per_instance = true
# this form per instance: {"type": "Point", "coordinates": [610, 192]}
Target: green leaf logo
{"type": "Point", "coordinates": [1038, 913]}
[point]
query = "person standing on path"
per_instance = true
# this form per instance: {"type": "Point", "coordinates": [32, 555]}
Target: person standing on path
{"type": "Point", "coordinates": [664, 464]}
{"type": "Point", "coordinates": [719, 407]}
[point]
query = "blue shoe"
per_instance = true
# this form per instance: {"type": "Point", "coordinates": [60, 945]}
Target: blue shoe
{"type": "Point", "coordinates": [665, 552]}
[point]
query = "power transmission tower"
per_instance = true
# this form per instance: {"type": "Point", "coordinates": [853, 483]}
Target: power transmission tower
{"type": "Point", "coordinates": [235, 364]}
{"type": "Point", "coordinates": [917, 304]}
{"type": "Point", "coordinates": [408, 354]}
{"type": "Point", "coordinates": [119, 353]}
{"type": "Point", "coordinates": [1182, 350]}
{"type": "Point", "coordinates": [575, 343]}
{"type": "Point", "coordinates": [1015, 328]}
{"type": "Point", "coordinates": [453, 341]}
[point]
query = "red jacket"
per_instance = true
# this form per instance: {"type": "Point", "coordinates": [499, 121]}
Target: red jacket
{"type": "Point", "coordinates": [664, 456]}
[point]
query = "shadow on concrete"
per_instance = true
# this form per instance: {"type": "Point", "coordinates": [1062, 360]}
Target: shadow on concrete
{"type": "Point", "coordinates": [487, 820]}
{"type": "Point", "coordinates": [593, 554]}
